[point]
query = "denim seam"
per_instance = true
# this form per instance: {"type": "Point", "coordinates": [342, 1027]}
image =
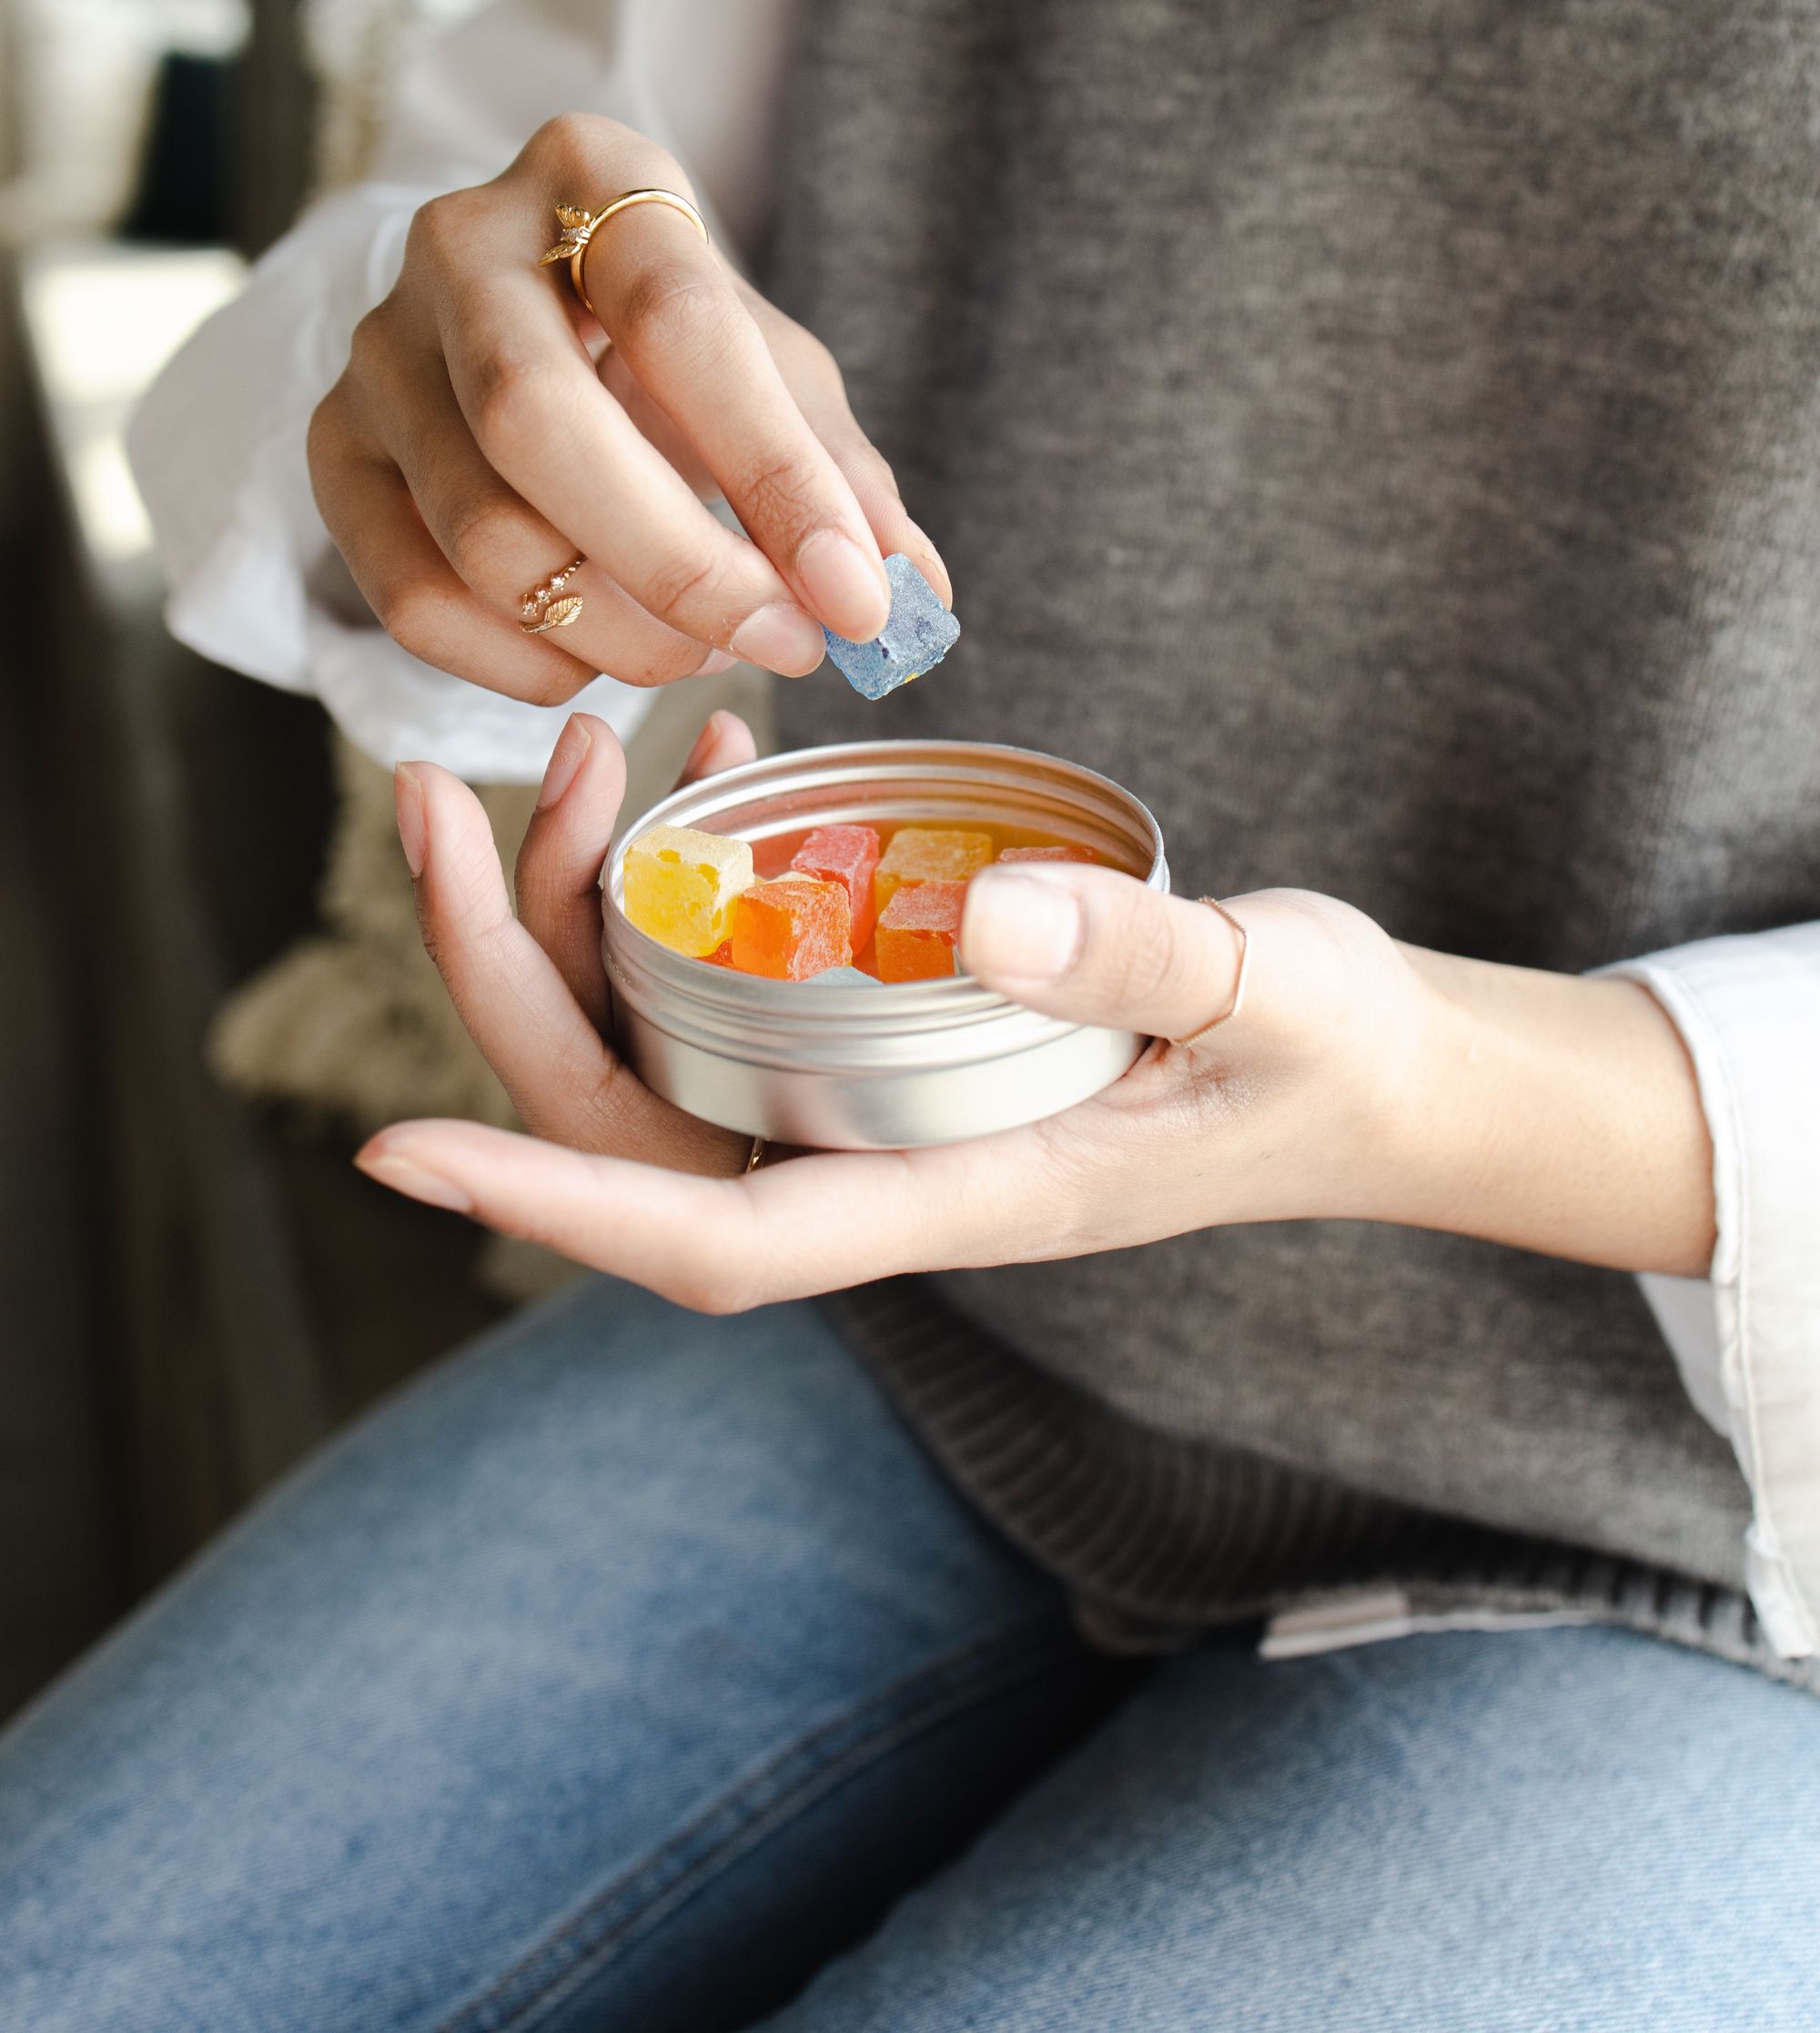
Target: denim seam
{"type": "Point", "coordinates": [749, 1811]}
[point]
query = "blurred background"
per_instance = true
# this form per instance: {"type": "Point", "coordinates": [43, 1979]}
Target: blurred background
{"type": "Point", "coordinates": [210, 982]}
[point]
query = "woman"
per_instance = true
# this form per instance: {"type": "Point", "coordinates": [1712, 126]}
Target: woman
{"type": "Point", "coordinates": [1378, 438]}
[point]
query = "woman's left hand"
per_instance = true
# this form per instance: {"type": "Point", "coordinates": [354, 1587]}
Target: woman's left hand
{"type": "Point", "coordinates": [1359, 1078]}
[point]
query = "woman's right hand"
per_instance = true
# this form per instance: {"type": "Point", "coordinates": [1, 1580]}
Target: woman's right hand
{"type": "Point", "coordinates": [485, 432]}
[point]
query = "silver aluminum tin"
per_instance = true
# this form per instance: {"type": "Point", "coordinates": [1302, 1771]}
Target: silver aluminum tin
{"type": "Point", "coordinates": [875, 1068]}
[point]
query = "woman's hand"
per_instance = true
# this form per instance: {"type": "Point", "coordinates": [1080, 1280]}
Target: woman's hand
{"type": "Point", "coordinates": [1361, 1079]}
{"type": "Point", "coordinates": [485, 433]}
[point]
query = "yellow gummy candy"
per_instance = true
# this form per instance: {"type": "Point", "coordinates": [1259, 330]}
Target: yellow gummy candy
{"type": "Point", "coordinates": [680, 886]}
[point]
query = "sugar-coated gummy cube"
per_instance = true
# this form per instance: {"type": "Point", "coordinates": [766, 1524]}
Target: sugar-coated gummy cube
{"type": "Point", "coordinates": [843, 978]}
{"type": "Point", "coordinates": [792, 928]}
{"type": "Point", "coordinates": [680, 885]}
{"type": "Point", "coordinates": [918, 634]}
{"type": "Point", "coordinates": [928, 855]}
{"type": "Point", "coordinates": [917, 930]}
{"type": "Point", "coordinates": [1067, 852]}
{"type": "Point", "coordinates": [847, 855]}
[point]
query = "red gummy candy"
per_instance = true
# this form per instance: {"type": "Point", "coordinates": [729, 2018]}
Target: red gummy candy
{"type": "Point", "coordinates": [1061, 852]}
{"type": "Point", "coordinates": [790, 929]}
{"type": "Point", "coordinates": [847, 855]}
{"type": "Point", "coordinates": [917, 930]}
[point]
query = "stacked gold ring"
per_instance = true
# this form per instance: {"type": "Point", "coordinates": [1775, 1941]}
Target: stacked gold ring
{"type": "Point", "coordinates": [579, 226]}
{"type": "Point", "coordinates": [540, 610]}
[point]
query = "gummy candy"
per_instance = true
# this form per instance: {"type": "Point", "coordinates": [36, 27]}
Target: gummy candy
{"type": "Point", "coordinates": [918, 633]}
{"type": "Point", "coordinates": [792, 928]}
{"type": "Point", "coordinates": [1057, 853]}
{"type": "Point", "coordinates": [929, 855]}
{"type": "Point", "coordinates": [680, 885]}
{"type": "Point", "coordinates": [845, 855]}
{"type": "Point", "coordinates": [843, 978]}
{"type": "Point", "coordinates": [917, 930]}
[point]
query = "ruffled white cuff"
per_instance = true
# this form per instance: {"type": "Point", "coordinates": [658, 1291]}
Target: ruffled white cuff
{"type": "Point", "coordinates": [218, 447]}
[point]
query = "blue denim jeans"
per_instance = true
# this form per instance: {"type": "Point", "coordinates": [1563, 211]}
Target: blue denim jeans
{"type": "Point", "coordinates": [637, 1670]}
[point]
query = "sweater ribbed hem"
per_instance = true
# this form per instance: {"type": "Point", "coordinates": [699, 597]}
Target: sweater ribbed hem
{"type": "Point", "coordinates": [1160, 1540]}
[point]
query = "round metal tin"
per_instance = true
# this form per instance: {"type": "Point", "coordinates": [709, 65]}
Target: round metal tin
{"type": "Point", "coordinates": [869, 1069]}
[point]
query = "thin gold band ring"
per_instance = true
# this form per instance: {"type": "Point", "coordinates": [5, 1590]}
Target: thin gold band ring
{"type": "Point", "coordinates": [579, 227]}
{"type": "Point", "coordinates": [1233, 1006]}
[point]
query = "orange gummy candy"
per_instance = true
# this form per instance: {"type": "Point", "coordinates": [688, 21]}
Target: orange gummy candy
{"type": "Point", "coordinates": [917, 930]}
{"type": "Point", "coordinates": [1067, 852]}
{"type": "Point", "coordinates": [792, 928]}
{"type": "Point", "coordinates": [929, 855]}
{"type": "Point", "coordinates": [847, 855]}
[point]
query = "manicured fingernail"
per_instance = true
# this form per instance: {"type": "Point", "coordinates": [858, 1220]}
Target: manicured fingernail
{"type": "Point", "coordinates": [570, 753]}
{"type": "Point", "coordinates": [848, 589]}
{"type": "Point", "coordinates": [782, 638]}
{"type": "Point", "coordinates": [715, 659]}
{"type": "Point", "coordinates": [705, 742]}
{"type": "Point", "coordinates": [413, 824]}
{"type": "Point", "coordinates": [1019, 926]}
{"type": "Point", "coordinates": [403, 1175]}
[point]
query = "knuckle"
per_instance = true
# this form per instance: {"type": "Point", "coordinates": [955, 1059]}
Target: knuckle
{"type": "Point", "coordinates": [435, 228]}
{"type": "Point", "coordinates": [572, 140]}
{"type": "Point", "coordinates": [369, 347]}
{"type": "Point", "coordinates": [677, 588]}
{"type": "Point", "coordinates": [669, 310]}
{"type": "Point", "coordinates": [326, 440]}
{"type": "Point", "coordinates": [508, 400]}
{"type": "Point", "coordinates": [411, 612]}
{"type": "Point", "coordinates": [479, 532]}
{"type": "Point", "coordinates": [720, 1292]}
{"type": "Point", "coordinates": [554, 685]}
{"type": "Point", "coordinates": [780, 492]}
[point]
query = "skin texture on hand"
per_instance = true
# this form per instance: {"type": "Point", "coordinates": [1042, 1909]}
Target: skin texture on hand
{"type": "Point", "coordinates": [487, 431]}
{"type": "Point", "coordinates": [1361, 1080]}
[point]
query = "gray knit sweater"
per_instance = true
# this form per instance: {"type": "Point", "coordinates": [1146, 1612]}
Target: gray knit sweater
{"type": "Point", "coordinates": [1382, 433]}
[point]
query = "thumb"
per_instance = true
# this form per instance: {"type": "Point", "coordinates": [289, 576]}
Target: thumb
{"type": "Point", "coordinates": [1098, 947]}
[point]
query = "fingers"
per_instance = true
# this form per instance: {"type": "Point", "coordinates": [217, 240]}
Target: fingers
{"type": "Point", "coordinates": [718, 1245]}
{"type": "Point", "coordinates": [500, 546]}
{"type": "Point", "coordinates": [817, 384]}
{"type": "Point", "coordinates": [559, 863]}
{"type": "Point", "coordinates": [513, 1000]}
{"type": "Point", "coordinates": [1098, 947]}
{"type": "Point", "coordinates": [723, 745]}
{"type": "Point", "coordinates": [542, 419]}
{"type": "Point", "coordinates": [677, 320]}
{"type": "Point", "coordinates": [414, 592]}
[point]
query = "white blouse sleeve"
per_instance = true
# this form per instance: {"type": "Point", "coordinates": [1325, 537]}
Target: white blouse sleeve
{"type": "Point", "coordinates": [218, 444]}
{"type": "Point", "coordinates": [1748, 1341]}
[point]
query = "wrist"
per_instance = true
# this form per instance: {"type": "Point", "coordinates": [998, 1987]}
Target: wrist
{"type": "Point", "coordinates": [1556, 1114]}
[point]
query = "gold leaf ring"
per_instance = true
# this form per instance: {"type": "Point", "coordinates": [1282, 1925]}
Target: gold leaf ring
{"type": "Point", "coordinates": [540, 610]}
{"type": "Point", "coordinates": [579, 226]}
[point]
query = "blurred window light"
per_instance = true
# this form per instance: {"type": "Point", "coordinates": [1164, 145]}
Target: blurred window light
{"type": "Point", "coordinates": [79, 94]}
{"type": "Point", "coordinates": [102, 320]}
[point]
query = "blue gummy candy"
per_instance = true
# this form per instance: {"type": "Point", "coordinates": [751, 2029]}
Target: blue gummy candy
{"type": "Point", "coordinates": [920, 633]}
{"type": "Point", "coordinates": [844, 977]}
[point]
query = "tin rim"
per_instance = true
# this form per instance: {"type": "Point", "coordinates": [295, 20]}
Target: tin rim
{"type": "Point", "coordinates": [954, 1019]}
